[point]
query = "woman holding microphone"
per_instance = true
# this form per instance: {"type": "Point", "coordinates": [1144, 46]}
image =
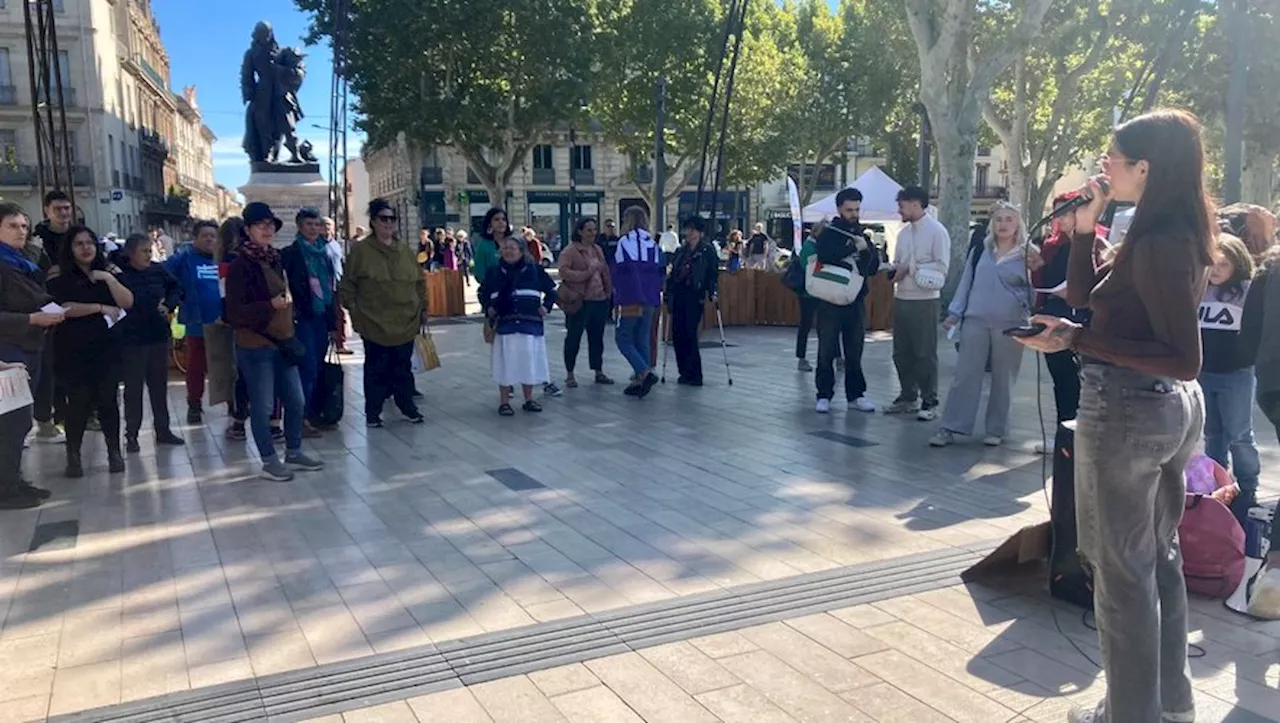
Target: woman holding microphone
{"type": "Point", "coordinates": [1141, 412]}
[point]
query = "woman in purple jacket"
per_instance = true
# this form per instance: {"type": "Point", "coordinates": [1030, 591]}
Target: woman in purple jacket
{"type": "Point", "coordinates": [638, 272]}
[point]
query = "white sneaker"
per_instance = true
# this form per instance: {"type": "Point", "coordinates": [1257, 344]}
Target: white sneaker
{"type": "Point", "coordinates": [823, 406]}
{"type": "Point", "coordinates": [943, 438]}
{"type": "Point", "coordinates": [927, 414]}
{"type": "Point", "coordinates": [50, 433]}
{"type": "Point", "coordinates": [992, 440]}
{"type": "Point", "coordinates": [862, 404]}
{"type": "Point", "coordinates": [1082, 715]}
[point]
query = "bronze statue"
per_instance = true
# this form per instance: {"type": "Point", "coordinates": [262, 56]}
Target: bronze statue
{"type": "Point", "coordinates": [269, 81]}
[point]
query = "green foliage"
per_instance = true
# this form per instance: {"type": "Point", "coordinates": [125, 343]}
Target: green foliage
{"type": "Point", "coordinates": [480, 74]}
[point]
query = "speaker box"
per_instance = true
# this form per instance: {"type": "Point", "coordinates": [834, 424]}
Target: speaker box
{"type": "Point", "coordinates": [1068, 579]}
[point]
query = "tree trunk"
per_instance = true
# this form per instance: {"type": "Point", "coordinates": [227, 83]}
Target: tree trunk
{"type": "Point", "coordinates": [956, 151]}
{"type": "Point", "coordinates": [1259, 176]}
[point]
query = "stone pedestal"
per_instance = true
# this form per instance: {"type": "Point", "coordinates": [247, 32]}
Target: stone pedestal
{"type": "Point", "coordinates": [287, 189]}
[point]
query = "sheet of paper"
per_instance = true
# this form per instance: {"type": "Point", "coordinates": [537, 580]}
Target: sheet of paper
{"type": "Point", "coordinates": [1054, 290]}
{"type": "Point", "coordinates": [112, 322]}
{"type": "Point", "coordinates": [53, 308]}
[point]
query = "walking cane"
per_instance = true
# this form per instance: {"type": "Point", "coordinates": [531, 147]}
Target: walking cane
{"type": "Point", "coordinates": [663, 341]}
{"type": "Point", "coordinates": [723, 347]}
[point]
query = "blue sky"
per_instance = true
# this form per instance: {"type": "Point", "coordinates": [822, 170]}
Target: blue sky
{"type": "Point", "coordinates": [206, 42]}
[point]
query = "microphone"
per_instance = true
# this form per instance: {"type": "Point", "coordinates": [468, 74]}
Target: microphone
{"type": "Point", "coordinates": [1071, 205]}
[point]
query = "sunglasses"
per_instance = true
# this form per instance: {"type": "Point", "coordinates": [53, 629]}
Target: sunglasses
{"type": "Point", "coordinates": [384, 217]}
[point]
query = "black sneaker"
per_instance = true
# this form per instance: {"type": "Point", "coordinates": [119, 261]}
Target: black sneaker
{"type": "Point", "coordinates": [195, 415]}
{"type": "Point", "coordinates": [647, 385]}
{"type": "Point", "coordinates": [31, 489]}
{"type": "Point", "coordinates": [374, 423]}
{"type": "Point", "coordinates": [115, 462]}
{"type": "Point", "coordinates": [416, 418]}
{"type": "Point", "coordinates": [19, 499]}
{"type": "Point", "coordinates": [169, 438]}
{"type": "Point", "coordinates": [131, 445]}
{"type": "Point", "coordinates": [236, 432]}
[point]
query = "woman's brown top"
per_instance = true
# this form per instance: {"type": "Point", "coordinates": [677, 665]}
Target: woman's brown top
{"type": "Point", "coordinates": [1144, 302]}
{"type": "Point", "coordinates": [577, 274]}
{"type": "Point", "coordinates": [251, 285]}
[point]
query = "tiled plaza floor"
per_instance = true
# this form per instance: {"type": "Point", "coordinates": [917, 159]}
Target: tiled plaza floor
{"type": "Point", "coordinates": [188, 571]}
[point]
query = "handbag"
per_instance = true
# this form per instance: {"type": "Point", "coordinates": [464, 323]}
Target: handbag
{"type": "Point", "coordinates": [291, 350]}
{"type": "Point", "coordinates": [426, 357]}
{"type": "Point", "coordinates": [329, 389]}
{"type": "Point", "coordinates": [833, 284]}
{"type": "Point", "coordinates": [926, 278]}
{"type": "Point", "coordinates": [569, 300]}
{"type": "Point", "coordinates": [794, 277]}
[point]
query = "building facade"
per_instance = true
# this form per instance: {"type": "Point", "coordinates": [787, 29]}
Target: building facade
{"type": "Point", "coordinates": [194, 152]}
{"type": "Point", "coordinates": [440, 189]}
{"type": "Point", "coordinates": [123, 121]}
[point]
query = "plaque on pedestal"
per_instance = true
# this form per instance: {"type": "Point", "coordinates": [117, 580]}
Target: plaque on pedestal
{"type": "Point", "coordinates": [287, 191]}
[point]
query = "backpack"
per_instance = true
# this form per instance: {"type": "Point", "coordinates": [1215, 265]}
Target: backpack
{"type": "Point", "coordinates": [794, 277]}
{"type": "Point", "coordinates": [1212, 547]}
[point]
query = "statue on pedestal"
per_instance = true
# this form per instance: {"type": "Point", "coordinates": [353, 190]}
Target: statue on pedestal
{"type": "Point", "coordinates": [270, 78]}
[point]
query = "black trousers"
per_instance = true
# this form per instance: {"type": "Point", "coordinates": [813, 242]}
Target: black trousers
{"type": "Point", "coordinates": [92, 389]}
{"type": "Point", "coordinates": [15, 425]}
{"type": "Point", "coordinates": [591, 318]}
{"type": "Point", "coordinates": [50, 397]}
{"type": "Point", "coordinates": [841, 328]}
{"type": "Point", "coordinates": [808, 308]}
{"type": "Point", "coordinates": [388, 372]}
{"type": "Point", "coordinates": [146, 364]}
{"type": "Point", "coordinates": [686, 316]}
{"type": "Point", "coordinates": [1064, 367]}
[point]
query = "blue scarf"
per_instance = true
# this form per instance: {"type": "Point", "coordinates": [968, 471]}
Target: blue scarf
{"type": "Point", "coordinates": [320, 272]}
{"type": "Point", "coordinates": [17, 260]}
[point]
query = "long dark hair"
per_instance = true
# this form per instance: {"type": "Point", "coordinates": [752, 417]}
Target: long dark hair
{"type": "Point", "coordinates": [66, 257]}
{"type": "Point", "coordinates": [1175, 203]}
{"type": "Point", "coordinates": [228, 239]}
{"type": "Point", "coordinates": [581, 224]}
{"type": "Point", "coordinates": [488, 221]}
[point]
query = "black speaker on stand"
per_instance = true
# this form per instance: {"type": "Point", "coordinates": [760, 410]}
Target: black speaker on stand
{"type": "Point", "coordinates": [1068, 578]}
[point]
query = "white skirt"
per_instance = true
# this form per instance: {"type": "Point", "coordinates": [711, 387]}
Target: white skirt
{"type": "Point", "coordinates": [520, 359]}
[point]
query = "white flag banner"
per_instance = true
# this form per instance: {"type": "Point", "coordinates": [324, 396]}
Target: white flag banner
{"type": "Point", "coordinates": [797, 222]}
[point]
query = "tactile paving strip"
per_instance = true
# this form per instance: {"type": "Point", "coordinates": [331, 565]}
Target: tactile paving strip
{"type": "Point", "coordinates": [351, 685]}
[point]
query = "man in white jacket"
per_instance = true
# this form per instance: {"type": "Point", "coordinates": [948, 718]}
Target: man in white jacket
{"type": "Point", "coordinates": [920, 259]}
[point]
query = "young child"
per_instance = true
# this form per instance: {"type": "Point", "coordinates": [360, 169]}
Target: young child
{"type": "Point", "coordinates": [1227, 374]}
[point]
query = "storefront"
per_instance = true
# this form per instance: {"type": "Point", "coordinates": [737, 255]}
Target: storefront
{"type": "Point", "coordinates": [728, 209]}
{"type": "Point", "coordinates": [476, 203]}
{"type": "Point", "coordinates": [549, 213]}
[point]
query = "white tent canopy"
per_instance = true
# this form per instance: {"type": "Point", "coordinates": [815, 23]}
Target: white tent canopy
{"type": "Point", "coordinates": [879, 199]}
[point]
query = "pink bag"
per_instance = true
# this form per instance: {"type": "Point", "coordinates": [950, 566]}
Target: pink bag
{"type": "Point", "coordinates": [1212, 547]}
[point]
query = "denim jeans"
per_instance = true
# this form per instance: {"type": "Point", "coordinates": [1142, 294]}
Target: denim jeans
{"type": "Point", "coordinates": [632, 337]}
{"type": "Point", "coordinates": [313, 332]}
{"type": "Point", "coordinates": [268, 377]}
{"type": "Point", "coordinates": [841, 330]}
{"type": "Point", "coordinates": [1228, 426]}
{"type": "Point", "coordinates": [1134, 435]}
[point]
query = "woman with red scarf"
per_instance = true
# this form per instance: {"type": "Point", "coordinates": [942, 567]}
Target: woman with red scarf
{"type": "Point", "coordinates": [1064, 366]}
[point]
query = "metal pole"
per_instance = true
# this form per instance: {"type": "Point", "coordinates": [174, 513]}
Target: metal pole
{"type": "Point", "coordinates": [573, 182]}
{"type": "Point", "coordinates": [1233, 145]}
{"type": "Point", "coordinates": [32, 55]}
{"type": "Point", "coordinates": [660, 160]}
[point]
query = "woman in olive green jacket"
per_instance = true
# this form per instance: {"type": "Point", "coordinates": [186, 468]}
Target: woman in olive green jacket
{"type": "Point", "coordinates": [384, 289]}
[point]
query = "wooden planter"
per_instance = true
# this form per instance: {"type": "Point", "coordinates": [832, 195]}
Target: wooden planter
{"type": "Point", "coordinates": [445, 295]}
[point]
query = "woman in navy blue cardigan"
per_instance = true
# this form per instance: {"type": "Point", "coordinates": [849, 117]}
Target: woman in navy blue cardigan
{"type": "Point", "coordinates": [517, 294]}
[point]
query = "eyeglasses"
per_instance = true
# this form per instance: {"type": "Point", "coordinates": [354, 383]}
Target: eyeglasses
{"type": "Point", "coordinates": [384, 217]}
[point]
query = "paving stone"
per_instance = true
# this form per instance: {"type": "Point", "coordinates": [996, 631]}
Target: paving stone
{"type": "Point", "coordinates": [515, 700]}
{"type": "Point", "coordinates": [655, 697]}
{"type": "Point", "coordinates": [595, 704]}
{"type": "Point", "coordinates": [886, 704]}
{"type": "Point", "coordinates": [836, 635]}
{"type": "Point", "coordinates": [790, 690]}
{"type": "Point", "coordinates": [398, 712]}
{"type": "Point", "coordinates": [935, 689]}
{"type": "Point", "coordinates": [815, 661]}
{"type": "Point", "coordinates": [688, 668]}
{"type": "Point", "coordinates": [449, 706]}
{"type": "Point", "coordinates": [742, 704]}
{"type": "Point", "coordinates": [722, 645]}
{"type": "Point", "coordinates": [564, 679]}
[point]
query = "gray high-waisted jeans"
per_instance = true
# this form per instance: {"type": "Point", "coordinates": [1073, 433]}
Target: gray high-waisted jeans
{"type": "Point", "coordinates": [1134, 435]}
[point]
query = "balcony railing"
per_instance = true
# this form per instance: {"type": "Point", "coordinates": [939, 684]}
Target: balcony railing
{"type": "Point", "coordinates": [983, 191]}
{"type": "Point", "coordinates": [17, 176]}
{"type": "Point", "coordinates": [432, 176]}
{"type": "Point", "coordinates": [544, 177]}
{"type": "Point", "coordinates": [152, 73]}
{"type": "Point", "coordinates": [8, 95]}
{"type": "Point", "coordinates": [584, 176]}
{"type": "Point", "coordinates": [152, 142]}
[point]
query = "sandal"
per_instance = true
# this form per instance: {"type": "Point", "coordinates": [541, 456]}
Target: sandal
{"type": "Point", "coordinates": [532, 406]}
{"type": "Point", "coordinates": [506, 411]}
{"type": "Point", "coordinates": [602, 378]}
{"type": "Point", "coordinates": [571, 383]}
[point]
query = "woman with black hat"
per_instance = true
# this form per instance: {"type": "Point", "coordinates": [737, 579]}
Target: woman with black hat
{"type": "Point", "coordinates": [259, 308]}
